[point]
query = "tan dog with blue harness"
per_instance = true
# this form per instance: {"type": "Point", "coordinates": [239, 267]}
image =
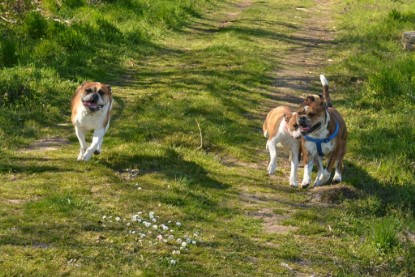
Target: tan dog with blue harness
{"type": "Point", "coordinates": [324, 134]}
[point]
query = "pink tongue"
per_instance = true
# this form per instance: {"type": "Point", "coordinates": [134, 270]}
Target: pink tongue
{"type": "Point", "coordinates": [89, 104]}
{"type": "Point", "coordinates": [305, 128]}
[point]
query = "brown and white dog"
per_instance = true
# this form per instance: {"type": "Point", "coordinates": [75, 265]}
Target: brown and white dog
{"type": "Point", "coordinates": [323, 133]}
{"type": "Point", "coordinates": [279, 128]}
{"type": "Point", "coordinates": [91, 110]}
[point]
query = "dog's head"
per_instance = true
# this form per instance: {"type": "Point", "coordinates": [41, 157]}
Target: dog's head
{"type": "Point", "coordinates": [94, 95]}
{"type": "Point", "coordinates": [311, 117]}
{"type": "Point", "coordinates": [292, 125]}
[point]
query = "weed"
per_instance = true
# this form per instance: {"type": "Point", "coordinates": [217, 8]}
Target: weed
{"type": "Point", "coordinates": [384, 234]}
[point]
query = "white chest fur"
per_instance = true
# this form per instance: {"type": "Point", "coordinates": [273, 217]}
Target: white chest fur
{"type": "Point", "coordinates": [91, 120]}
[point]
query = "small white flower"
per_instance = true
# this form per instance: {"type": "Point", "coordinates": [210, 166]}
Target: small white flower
{"type": "Point", "coordinates": [154, 220]}
{"type": "Point", "coordinates": [179, 241]}
{"type": "Point", "coordinates": [178, 224]}
{"type": "Point", "coordinates": [188, 240]}
{"type": "Point", "coordinates": [142, 236]}
{"type": "Point", "coordinates": [147, 224]}
{"type": "Point", "coordinates": [117, 218]}
{"type": "Point", "coordinates": [173, 262]}
{"type": "Point", "coordinates": [160, 237]}
{"type": "Point", "coordinates": [164, 227]}
{"type": "Point", "coordinates": [176, 252]}
{"type": "Point", "coordinates": [135, 217]}
{"type": "Point", "coordinates": [151, 214]}
{"type": "Point", "coordinates": [104, 217]}
{"type": "Point", "coordinates": [184, 244]}
{"type": "Point", "coordinates": [171, 237]}
{"type": "Point", "coordinates": [155, 227]}
{"type": "Point", "coordinates": [193, 242]}
{"type": "Point", "coordinates": [128, 224]}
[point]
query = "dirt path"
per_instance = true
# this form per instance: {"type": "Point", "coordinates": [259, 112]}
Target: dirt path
{"type": "Point", "coordinates": [297, 77]}
{"type": "Point", "coordinates": [303, 63]}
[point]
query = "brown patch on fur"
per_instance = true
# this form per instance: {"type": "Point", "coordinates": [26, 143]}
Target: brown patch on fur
{"type": "Point", "coordinates": [273, 120]}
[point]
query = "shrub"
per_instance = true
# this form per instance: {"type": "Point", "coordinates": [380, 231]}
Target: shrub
{"type": "Point", "coordinates": [72, 38]}
{"type": "Point", "coordinates": [8, 54]}
{"type": "Point", "coordinates": [34, 26]}
{"type": "Point", "coordinates": [108, 30]}
{"type": "Point", "coordinates": [48, 52]}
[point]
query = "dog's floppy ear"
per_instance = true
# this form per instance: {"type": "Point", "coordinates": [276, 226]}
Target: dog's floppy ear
{"type": "Point", "coordinates": [84, 83]}
{"type": "Point", "coordinates": [109, 89]}
{"type": "Point", "coordinates": [287, 116]}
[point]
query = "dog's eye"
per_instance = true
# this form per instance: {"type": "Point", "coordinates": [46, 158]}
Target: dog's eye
{"type": "Point", "coordinates": [295, 126]}
{"type": "Point", "coordinates": [89, 90]}
{"type": "Point", "coordinates": [101, 92]}
{"type": "Point", "coordinates": [311, 114]}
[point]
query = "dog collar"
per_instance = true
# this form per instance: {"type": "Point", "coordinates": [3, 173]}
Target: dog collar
{"type": "Point", "coordinates": [318, 142]}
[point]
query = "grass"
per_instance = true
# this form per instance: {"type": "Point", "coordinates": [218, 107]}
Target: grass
{"type": "Point", "coordinates": [185, 144]}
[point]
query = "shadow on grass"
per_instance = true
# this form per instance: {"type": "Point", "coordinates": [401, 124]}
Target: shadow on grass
{"type": "Point", "coordinates": [171, 164]}
{"type": "Point", "coordinates": [391, 195]}
{"type": "Point", "coordinates": [29, 166]}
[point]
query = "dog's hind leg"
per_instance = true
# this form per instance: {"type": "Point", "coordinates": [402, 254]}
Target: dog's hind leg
{"type": "Point", "coordinates": [271, 146]}
{"type": "Point", "coordinates": [339, 169]}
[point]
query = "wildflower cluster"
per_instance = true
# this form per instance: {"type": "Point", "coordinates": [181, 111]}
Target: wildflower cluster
{"type": "Point", "coordinates": [149, 231]}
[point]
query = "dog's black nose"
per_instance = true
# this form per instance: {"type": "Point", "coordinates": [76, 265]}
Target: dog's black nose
{"type": "Point", "coordinates": [94, 97]}
{"type": "Point", "coordinates": [302, 118]}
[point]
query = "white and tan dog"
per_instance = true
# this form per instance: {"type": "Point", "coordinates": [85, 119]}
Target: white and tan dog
{"type": "Point", "coordinates": [324, 133]}
{"type": "Point", "coordinates": [279, 129]}
{"type": "Point", "coordinates": [91, 110]}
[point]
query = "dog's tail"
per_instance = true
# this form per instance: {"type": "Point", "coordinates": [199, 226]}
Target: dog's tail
{"type": "Point", "coordinates": [264, 129]}
{"type": "Point", "coordinates": [326, 94]}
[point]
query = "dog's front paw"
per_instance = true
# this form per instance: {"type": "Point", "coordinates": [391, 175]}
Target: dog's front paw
{"type": "Point", "coordinates": [80, 155]}
{"type": "Point", "coordinates": [337, 178]}
{"type": "Point", "coordinates": [293, 183]}
{"type": "Point", "coordinates": [271, 169]}
{"type": "Point", "coordinates": [87, 155]}
{"type": "Point", "coordinates": [322, 179]}
{"type": "Point", "coordinates": [305, 184]}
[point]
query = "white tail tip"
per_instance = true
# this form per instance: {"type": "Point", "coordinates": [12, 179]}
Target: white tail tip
{"type": "Point", "coordinates": [323, 80]}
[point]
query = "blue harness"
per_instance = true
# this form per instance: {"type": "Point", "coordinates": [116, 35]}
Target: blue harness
{"type": "Point", "coordinates": [318, 142]}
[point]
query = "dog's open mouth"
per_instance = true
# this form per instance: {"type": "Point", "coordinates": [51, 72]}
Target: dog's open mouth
{"type": "Point", "coordinates": [304, 130]}
{"type": "Point", "coordinates": [92, 106]}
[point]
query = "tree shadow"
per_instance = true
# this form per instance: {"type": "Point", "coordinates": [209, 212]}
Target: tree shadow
{"type": "Point", "coordinates": [171, 165]}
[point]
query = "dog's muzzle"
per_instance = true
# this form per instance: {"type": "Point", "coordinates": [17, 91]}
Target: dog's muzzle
{"type": "Point", "coordinates": [90, 102]}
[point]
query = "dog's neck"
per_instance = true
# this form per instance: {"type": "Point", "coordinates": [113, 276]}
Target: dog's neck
{"type": "Point", "coordinates": [323, 131]}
